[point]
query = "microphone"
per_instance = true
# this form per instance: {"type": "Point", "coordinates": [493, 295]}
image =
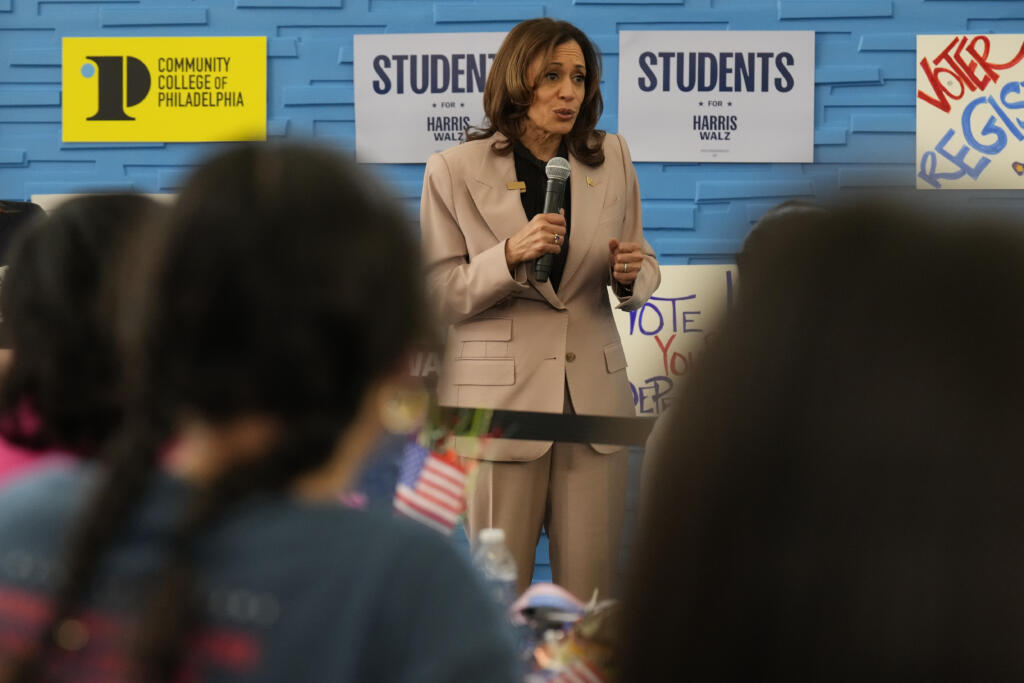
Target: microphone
{"type": "Point", "coordinates": [557, 172]}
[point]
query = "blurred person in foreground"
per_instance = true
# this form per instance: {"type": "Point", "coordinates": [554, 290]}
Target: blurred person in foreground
{"type": "Point", "coordinates": [59, 392]}
{"type": "Point", "coordinates": [516, 343]}
{"type": "Point", "coordinates": [780, 224]}
{"type": "Point", "coordinates": [845, 502]}
{"type": "Point", "coordinates": [261, 350]}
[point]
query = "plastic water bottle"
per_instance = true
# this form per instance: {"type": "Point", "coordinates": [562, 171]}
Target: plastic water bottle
{"type": "Point", "coordinates": [497, 565]}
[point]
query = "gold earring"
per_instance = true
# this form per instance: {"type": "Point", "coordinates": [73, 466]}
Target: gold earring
{"type": "Point", "coordinates": [402, 411]}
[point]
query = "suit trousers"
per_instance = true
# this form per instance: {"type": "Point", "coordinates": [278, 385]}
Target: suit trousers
{"type": "Point", "coordinates": [576, 493]}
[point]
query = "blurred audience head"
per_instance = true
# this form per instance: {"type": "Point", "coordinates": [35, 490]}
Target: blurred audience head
{"type": "Point", "coordinates": [287, 286]}
{"type": "Point", "coordinates": [60, 389]}
{"type": "Point", "coordinates": [841, 500]}
{"type": "Point", "coordinates": [779, 226]}
{"type": "Point", "coordinates": [278, 304]}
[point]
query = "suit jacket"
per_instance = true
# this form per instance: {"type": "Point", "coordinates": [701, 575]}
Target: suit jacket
{"type": "Point", "coordinates": [512, 342]}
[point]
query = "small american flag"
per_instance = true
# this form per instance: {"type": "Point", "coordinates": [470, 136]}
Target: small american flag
{"type": "Point", "coordinates": [431, 487]}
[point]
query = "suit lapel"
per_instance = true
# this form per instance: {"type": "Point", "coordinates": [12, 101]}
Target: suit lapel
{"type": "Point", "coordinates": [502, 208]}
{"type": "Point", "coordinates": [588, 187]}
{"type": "Point", "coordinates": [545, 289]}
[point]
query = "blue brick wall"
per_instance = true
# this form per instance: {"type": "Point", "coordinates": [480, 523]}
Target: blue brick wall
{"type": "Point", "coordinates": [695, 213]}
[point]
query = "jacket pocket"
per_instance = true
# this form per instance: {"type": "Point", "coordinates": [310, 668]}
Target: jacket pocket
{"type": "Point", "coordinates": [483, 371]}
{"type": "Point", "coordinates": [484, 349]}
{"type": "Point", "coordinates": [614, 357]}
{"type": "Point", "coordinates": [485, 329]}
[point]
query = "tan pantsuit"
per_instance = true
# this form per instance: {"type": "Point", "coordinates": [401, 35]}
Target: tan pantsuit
{"type": "Point", "coordinates": [576, 493]}
{"type": "Point", "coordinates": [516, 344]}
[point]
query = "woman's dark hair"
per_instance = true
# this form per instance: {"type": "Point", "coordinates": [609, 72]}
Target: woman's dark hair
{"type": "Point", "coordinates": [61, 388]}
{"type": "Point", "coordinates": [508, 92]}
{"type": "Point", "coordinates": [776, 227]}
{"type": "Point", "coordinates": [285, 287]}
{"type": "Point", "coordinates": [841, 497]}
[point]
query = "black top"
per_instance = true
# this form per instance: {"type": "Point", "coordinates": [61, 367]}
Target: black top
{"type": "Point", "coordinates": [530, 170]}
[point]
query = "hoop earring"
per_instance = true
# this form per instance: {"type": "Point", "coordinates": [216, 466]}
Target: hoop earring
{"type": "Point", "coordinates": [402, 411]}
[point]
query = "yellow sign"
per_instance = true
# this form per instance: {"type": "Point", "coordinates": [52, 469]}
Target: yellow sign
{"type": "Point", "coordinates": [164, 89]}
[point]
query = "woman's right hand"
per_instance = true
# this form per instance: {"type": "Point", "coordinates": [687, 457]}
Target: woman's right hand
{"type": "Point", "coordinates": [544, 234]}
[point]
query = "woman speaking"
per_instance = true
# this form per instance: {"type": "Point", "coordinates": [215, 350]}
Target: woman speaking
{"type": "Point", "coordinates": [517, 343]}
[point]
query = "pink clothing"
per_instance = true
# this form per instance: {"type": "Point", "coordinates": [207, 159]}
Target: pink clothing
{"type": "Point", "coordinates": [17, 461]}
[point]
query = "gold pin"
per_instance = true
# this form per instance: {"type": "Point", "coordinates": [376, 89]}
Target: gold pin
{"type": "Point", "coordinates": [590, 181]}
{"type": "Point", "coordinates": [517, 185]}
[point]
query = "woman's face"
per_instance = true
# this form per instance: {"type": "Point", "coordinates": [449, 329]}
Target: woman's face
{"type": "Point", "coordinates": [558, 94]}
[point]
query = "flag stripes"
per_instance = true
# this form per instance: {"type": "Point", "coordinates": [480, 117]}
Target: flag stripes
{"type": "Point", "coordinates": [431, 488]}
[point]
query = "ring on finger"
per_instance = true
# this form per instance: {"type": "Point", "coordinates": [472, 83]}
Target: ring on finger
{"type": "Point", "coordinates": [558, 238]}
{"type": "Point", "coordinates": [625, 267]}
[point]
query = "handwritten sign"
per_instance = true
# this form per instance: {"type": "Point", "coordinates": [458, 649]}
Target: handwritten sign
{"type": "Point", "coordinates": [970, 123]}
{"type": "Point", "coordinates": [666, 337]}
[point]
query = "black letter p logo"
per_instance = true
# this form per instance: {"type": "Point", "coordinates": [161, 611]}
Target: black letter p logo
{"type": "Point", "coordinates": [114, 96]}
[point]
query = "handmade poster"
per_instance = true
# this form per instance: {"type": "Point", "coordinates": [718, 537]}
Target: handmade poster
{"type": "Point", "coordinates": [668, 335]}
{"type": "Point", "coordinates": [970, 112]}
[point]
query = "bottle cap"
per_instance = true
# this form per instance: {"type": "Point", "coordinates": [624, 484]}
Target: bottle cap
{"type": "Point", "coordinates": [490, 536]}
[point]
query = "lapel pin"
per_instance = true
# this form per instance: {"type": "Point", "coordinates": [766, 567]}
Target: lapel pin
{"type": "Point", "coordinates": [517, 185]}
{"type": "Point", "coordinates": [590, 181]}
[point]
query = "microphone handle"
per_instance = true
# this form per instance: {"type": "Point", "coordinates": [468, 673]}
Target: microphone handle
{"type": "Point", "coordinates": [554, 198]}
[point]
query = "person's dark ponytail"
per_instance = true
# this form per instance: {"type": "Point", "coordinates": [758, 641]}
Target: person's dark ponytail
{"type": "Point", "coordinates": [171, 613]}
{"type": "Point", "coordinates": [265, 296]}
{"type": "Point", "coordinates": [123, 486]}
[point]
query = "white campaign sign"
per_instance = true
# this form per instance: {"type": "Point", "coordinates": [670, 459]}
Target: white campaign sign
{"type": "Point", "coordinates": [717, 96]}
{"type": "Point", "coordinates": [669, 333]}
{"type": "Point", "coordinates": [970, 132]}
{"type": "Point", "coordinates": [416, 93]}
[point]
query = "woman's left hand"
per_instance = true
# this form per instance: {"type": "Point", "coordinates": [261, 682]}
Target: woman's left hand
{"type": "Point", "coordinates": [625, 259]}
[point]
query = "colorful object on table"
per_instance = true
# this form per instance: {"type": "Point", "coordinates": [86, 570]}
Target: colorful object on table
{"type": "Point", "coordinates": [436, 468]}
{"type": "Point", "coordinates": [594, 637]}
{"type": "Point", "coordinates": [431, 487]}
{"type": "Point", "coordinates": [580, 671]}
{"type": "Point", "coordinates": [471, 425]}
{"type": "Point", "coordinates": [573, 642]}
{"type": "Point", "coordinates": [546, 605]}
{"type": "Point", "coordinates": [1017, 167]}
